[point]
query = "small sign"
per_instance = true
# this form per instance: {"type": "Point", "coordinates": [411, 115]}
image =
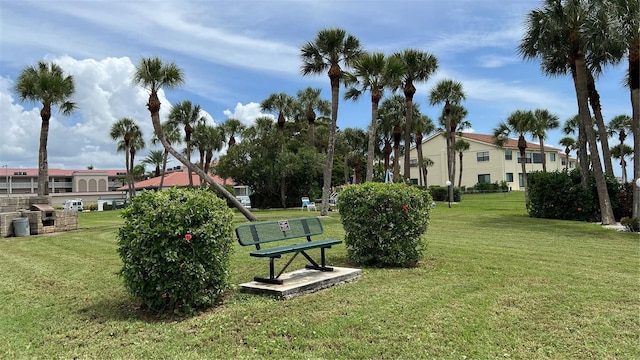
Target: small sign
{"type": "Point", "coordinates": [284, 225]}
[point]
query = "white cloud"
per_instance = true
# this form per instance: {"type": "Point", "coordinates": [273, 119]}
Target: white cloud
{"type": "Point", "coordinates": [103, 95]}
{"type": "Point", "coordinates": [496, 61]}
{"type": "Point", "coordinates": [247, 114]}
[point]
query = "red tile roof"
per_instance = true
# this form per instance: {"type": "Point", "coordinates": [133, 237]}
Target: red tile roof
{"type": "Point", "coordinates": [178, 178]}
{"type": "Point", "coordinates": [511, 143]}
{"type": "Point", "coordinates": [60, 172]}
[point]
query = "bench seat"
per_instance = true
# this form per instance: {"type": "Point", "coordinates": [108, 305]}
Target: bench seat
{"type": "Point", "coordinates": [287, 249]}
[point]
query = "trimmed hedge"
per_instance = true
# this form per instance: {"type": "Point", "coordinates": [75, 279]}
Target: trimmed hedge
{"type": "Point", "coordinates": [385, 223]}
{"type": "Point", "coordinates": [175, 245]}
{"type": "Point", "coordinates": [559, 195]}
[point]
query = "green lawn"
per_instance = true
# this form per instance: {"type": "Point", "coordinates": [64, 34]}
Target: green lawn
{"type": "Point", "coordinates": [495, 284]}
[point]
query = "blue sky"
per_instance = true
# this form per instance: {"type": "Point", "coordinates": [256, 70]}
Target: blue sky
{"type": "Point", "coordinates": [236, 53]}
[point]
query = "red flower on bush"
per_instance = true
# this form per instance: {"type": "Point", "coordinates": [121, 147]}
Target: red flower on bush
{"type": "Point", "coordinates": [405, 208]}
{"type": "Point", "coordinates": [187, 237]}
{"type": "Point", "coordinates": [579, 209]}
{"type": "Point", "coordinates": [164, 295]}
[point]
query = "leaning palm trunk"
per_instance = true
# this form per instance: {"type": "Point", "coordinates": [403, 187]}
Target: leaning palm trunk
{"type": "Point", "coordinates": [420, 159]}
{"type": "Point", "coordinates": [594, 100]}
{"type": "Point", "coordinates": [154, 109]}
{"type": "Point", "coordinates": [606, 211]}
{"type": "Point", "coordinates": [164, 167]}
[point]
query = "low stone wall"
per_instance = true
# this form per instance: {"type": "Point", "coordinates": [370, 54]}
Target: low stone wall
{"type": "Point", "coordinates": [6, 222]}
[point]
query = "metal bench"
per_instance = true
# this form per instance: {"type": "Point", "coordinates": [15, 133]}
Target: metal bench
{"type": "Point", "coordinates": [258, 233]}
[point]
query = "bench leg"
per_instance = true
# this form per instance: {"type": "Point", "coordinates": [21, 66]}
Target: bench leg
{"type": "Point", "coordinates": [314, 265]}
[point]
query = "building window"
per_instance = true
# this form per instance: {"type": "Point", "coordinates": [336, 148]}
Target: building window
{"type": "Point", "coordinates": [413, 162]}
{"type": "Point", "coordinates": [509, 177]}
{"type": "Point", "coordinates": [414, 181]}
{"type": "Point", "coordinates": [508, 155]}
{"type": "Point", "coordinates": [552, 156]}
{"type": "Point", "coordinates": [527, 157]}
{"type": "Point", "coordinates": [520, 181]}
{"type": "Point", "coordinates": [484, 178]}
{"type": "Point", "coordinates": [563, 161]}
{"type": "Point", "coordinates": [537, 158]}
{"type": "Point", "coordinates": [483, 156]}
{"type": "Point", "coordinates": [571, 163]}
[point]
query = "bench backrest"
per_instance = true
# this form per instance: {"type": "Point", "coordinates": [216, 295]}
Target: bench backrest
{"type": "Point", "coordinates": [257, 233]}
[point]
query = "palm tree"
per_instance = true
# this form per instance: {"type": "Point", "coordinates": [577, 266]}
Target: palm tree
{"type": "Point", "coordinates": [189, 116]}
{"type": "Point", "coordinates": [155, 158]}
{"type": "Point", "coordinates": [451, 93]}
{"type": "Point", "coordinates": [172, 136]}
{"type": "Point", "coordinates": [282, 104]}
{"type": "Point", "coordinates": [126, 131]}
{"type": "Point", "coordinates": [626, 14]}
{"type": "Point", "coordinates": [460, 147]}
{"type": "Point", "coordinates": [426, 164]}
{"type": "Point", "coordinates": [521, 123]}
{"type": "Point", "coordinates": [372, 72]}
{"type": "Point", "coordinates": [47, 84]}
{"type": "Point", "coordinates": [418, 66]}
{"type": "Point", "coordinates": [622, 151]}
{"type": "Point", "coordinates": [355, 143]}
{"type": "Point", "coordinates": [569, 144]}
{"type": "Point", "coordinates": [561, 34]}
{"type": "Point", "coordinates": [310, 101]}
{"type": "Point", "coordinates": [207, 139]}
{"type": "Point", "coordinates": [152, 74]}
{"type": "Point", "coordinates": [232, 128]}
{"type": "Point", "coordinates": [543, 121]}
{"type": "Point", "coordinates": [621, 125]}
{"type": "Point", "coordinates": [327, 52]}
{"type": "Point", "coordinates": [422, 125]}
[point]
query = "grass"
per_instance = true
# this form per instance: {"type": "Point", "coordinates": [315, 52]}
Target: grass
{"type": "Point", "coordinates": [494, 284]}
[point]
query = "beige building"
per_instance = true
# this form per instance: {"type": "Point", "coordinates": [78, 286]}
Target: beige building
{"type": "Point", "coordinates": [484, 162]}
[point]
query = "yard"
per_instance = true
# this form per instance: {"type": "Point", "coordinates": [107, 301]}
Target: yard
{"type": "Point", "coordinates": [495, 284]}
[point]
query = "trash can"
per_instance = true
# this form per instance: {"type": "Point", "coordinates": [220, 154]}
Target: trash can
{"type": "Point", "coordinates": [21, 227]}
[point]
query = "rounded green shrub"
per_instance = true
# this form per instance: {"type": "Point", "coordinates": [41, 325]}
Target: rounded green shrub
{"type": "Point", "coordinates": [385, 223]}
{"type": "Point", "coordinates": [175, 246]}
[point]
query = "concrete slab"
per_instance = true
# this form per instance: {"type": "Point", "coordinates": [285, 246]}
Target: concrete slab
{"type": "Point", "coordinates": [302, 281]}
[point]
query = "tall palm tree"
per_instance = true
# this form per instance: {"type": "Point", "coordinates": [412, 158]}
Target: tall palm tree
{"type": "Point", "coordinates": [189, 116]}
{"type": "Point", "coordinates": [329, 51]}
{"type": "Point", "coordinates": [422, 125]}
{"type": "Point", "coordinates": [418, 66]}
{"type": "Point", "coordinates": [388, 115]}
{"type": "Point", "coordinates": [426, 164]}
{"type": "Point", "coordinates": [561, 34]}
{"type": "Point", "coordinates": [620, 152]}
{"type": "Point", "coordinates": [460, 147]}
{"type": "Point", "coordinates": [355, 142]}
{"type": "Point", "coordinates": [281, 104]}
{"type": "Point", "coordinates": [620, 125]}
{"type": "Point", "coordinates": [569, 144]}
{"type": "Point", "coordinates": [137, 144]}
{"type": "Point", "coordinates": [47, 84]}
{"type": "Point", "coordinates": [207, 139]}
{"type": "Point", "coordinates": [172, 135]}
{"type": "Point", "coordinates": [543, 121]}
{"type": "Point", "coordinates": [310, 101]}
{"type": "Point", "coordinates": [450, 93]}
{"type": "Point", "coordinates": [521, 123]}
{"type": "Point", "coordinates": [153, 75]}
{"type": "Point", "coordinates": [126, 132]}
{"type": "Point", "coordinates": [231, 128]}
{"type": "Point", "coordinates": [372, 72]}
{"type": "Point", "coordinates": [155, 158]}
{"type": "Point", "coordinates": [626, 24]}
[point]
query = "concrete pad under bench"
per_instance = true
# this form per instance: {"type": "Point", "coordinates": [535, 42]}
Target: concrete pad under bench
{"type": "Point", "coordinates": [302, 282]}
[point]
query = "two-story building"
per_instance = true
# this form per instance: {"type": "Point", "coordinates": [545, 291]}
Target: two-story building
{"type": "Point", "coordinates": [484, 162]}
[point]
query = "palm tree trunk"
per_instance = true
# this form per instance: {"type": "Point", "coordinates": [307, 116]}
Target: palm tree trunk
{"type": "Point", "coordinates": [566, 163]}
{"type": "Point", "coordinates": [334, 76]}
{"type": "Point", "coordinates": [129, 171]}
{"type": "Point", "coordinates": [154, 109]}
{"type": "Point", "coordinates": [583, 158]}
{"type": "Point", "coordinates": [164, 167]}
{"type": "Point", "coordinates": [543, 156]}
{"type": "Point", "coordinates": [450, 154]}
{"type": "Point", "coordinates": [409, 91]}
{"type": "Point", "coordinates": [594, 100]}
{"type": "Point", "coordinates": [131, 165]}
{"type": "Point", "coordinates": [460, 176]}
{"type": "Point", "coordinates": [523, 164]}
{"type": "Point", "coordinates": [189, 160]}
{"type": "Point", "coordinates": [372, 138]}
{"type": "Point", "coordinates": [606, 211]}
{"type": "Point", "coordinates": [634, 82]}
{"type": "Point", "coordinates": [420, 158]}
{"type": "Point", "coordinates": [43, 162]}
